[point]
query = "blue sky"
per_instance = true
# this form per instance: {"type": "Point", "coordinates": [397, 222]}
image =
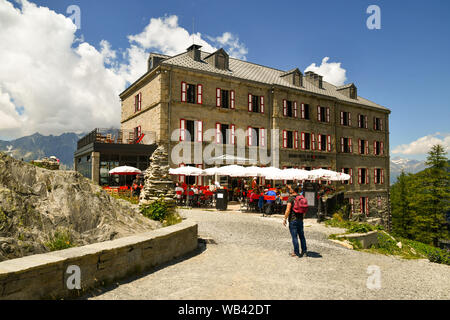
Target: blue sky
{"type": "Point", "coordinates": [403, 66]}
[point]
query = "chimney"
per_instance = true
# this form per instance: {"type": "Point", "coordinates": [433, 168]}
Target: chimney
{"type": "Point", "coordinates": [194, 52]}
{"type": "Point", "coordinates": [314, 78]}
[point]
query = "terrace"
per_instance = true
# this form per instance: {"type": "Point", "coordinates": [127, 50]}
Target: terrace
{"type": "Point", "coordinates": [117, 136]}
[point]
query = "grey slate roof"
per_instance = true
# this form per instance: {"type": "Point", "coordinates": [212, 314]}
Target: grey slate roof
{"type": "Point", "coordinates": [254, 72]}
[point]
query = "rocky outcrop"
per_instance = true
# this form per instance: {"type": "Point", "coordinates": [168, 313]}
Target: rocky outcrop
{"type": "Point", "coordinates": [36, 202]}
{"type": "Point", "coordinates": [158, 182]}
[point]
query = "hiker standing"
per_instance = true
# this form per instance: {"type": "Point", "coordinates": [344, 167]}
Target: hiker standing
{"type": "Point", "coordinates": [296, 209]}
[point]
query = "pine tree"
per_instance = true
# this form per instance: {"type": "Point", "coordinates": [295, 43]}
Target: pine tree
{"type": "Point", "coordinates": [402, 216]}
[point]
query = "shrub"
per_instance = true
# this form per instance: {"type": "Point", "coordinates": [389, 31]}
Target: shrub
{"type": "Point", "coordinates": [360, 228]}
{"type": "Point", "coordinates": [160, 211]}
{"type": "Point", "coordinates": [60, 240]}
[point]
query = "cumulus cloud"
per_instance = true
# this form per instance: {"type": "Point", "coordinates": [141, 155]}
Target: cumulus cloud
{"type": "Point", "coordinates": [422, 145]}
{"type": "Point", "coordinates": [332, 72]}
{"type": "Point", "coordinates": [52, 81]}
{"type": "Point", "coordinates": [231, 42]}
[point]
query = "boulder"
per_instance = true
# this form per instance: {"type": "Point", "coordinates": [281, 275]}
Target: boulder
{"type": "Point", "coordinates": [35, 202]}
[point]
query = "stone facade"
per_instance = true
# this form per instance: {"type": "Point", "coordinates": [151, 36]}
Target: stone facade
{"type": "Point", "coordinates": [166, 109]}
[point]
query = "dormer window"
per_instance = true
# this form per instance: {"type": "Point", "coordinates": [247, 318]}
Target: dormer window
{"type": "Point", "coordinates": [294, 77]}
{"type": "Point", "coordinates": [218, 59]}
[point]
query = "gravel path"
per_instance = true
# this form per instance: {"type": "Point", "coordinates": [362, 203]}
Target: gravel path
{"type": "Point", "coordinates": [250, 260]}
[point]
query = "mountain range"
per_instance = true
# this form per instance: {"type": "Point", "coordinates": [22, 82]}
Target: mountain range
{"type": "Point", "coordinates": [63, 147]}
{"type": "Point", "coordinates": [37, 146]}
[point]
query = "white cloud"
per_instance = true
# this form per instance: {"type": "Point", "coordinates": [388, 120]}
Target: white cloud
{"type": "Point", "coordinates": [61, 83]}
{"type": "Point", "coordinates": [422, 145]}
{"type": "Point", "coordinates": [332, 72]}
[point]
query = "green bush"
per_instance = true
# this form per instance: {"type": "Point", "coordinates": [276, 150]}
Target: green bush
{"type": "Point", "coordinates": [160, 211]}
{"type": "Point", "coordinates": [60, 240]}
{"type": "Point", "coordinates": [360, 228]}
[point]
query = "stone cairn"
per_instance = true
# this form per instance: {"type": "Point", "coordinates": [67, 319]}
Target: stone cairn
{"type": "Point", "coordinates": [157, 181]}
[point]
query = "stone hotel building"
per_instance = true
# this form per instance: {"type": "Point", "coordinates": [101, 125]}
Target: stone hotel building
{"type": "Point", "coordinates": [320, 125]}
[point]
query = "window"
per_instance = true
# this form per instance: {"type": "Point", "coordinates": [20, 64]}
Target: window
{"type": "Point", "coordinates": [348, 171]}
{"type": "Point", "coordinates": [378, 176]}
{"type": "Point", "coordinates": [346, 145]}
{"type": "Point", "coordinates": [290, 108]}
{"type": "Point", "coordinates": [363, 176]}
{"type": "Point", "coordinates": [378, 147]}
{"type": "Point", "coordinates": [137, 102]}
{"type": "Point", "coordinates": [191, 130]}
{"type": "Point", "coordinates": [191, 93]}
{"type": "Point", "coordinates": [377, 124]}
{"type": "Point", "coordinates": [346, 118]}
{"type": "Point", "coordinates": [255, 103]}
{"type": "Point", "coordinates": [306, 141]}
{"type": "Point", "coordinates": [362, 121]}
{"type": "Point", "coordinates": [305, 112]}
{"type": "Point", "coordinates": [322, 142]}
{"type": "Point", "coordinates": [363, 146]}
{"type": "Point", "coordinates": [290, 139]}
{"type": "Point", "coordinates": [225, 99]}
{"type": "Point", "coordinates": [323, 114]}
{"type": "Point", "coordinates": [137, 133]}
{"type": "Point", "coordinates": [256, 137]}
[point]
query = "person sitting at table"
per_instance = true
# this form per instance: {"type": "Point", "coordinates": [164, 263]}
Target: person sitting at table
{"type": "Point", "coordinates": [179, 193]}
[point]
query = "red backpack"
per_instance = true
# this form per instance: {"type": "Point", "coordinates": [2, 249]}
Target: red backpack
{"type": "Point", "coordinates": [300, 204]}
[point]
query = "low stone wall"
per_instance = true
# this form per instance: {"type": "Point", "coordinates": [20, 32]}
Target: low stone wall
{"type": "Point", "coordinates": [71, 272]}
{"type": "Point", "coordinates": [366, 239]}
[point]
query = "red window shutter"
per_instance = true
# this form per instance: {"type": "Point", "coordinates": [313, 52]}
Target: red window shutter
{"type": "Point", "coordinates": [367, 206]}
{"type": "Point", "coordinates": [359, 146]}
{"type": "Point", "coordinates": [218, 97]}
{"type": "Point", "coordinates": [367, 176]}
{"type": "Point", "coordinates": [375, 181]}
{"type": "Point", "coordinates": [359, 175]}
{"type": "Point", "coordinates": [138, 131]}
{"type": "Point", "coordinates": [349, 119]}
{"type": "Point", "coordinates": [200, 94]}
{"type": "Point", "coordinates": [296, 139]}
{"type": "Point", "coordinates": [381, 148]}
{"type": "Point", "coordinates": [365, 121]}
{"type": "Point", "coordinates": [232, 99]}
{"type": "Point", "coordinates": [284, 107]}
{"type": "Point", "coordinates": [328, 114]}
{"type": "Point", "coordinates": [250, 107]}
{"type": "Point", "coordinates": [381, 124]}
{"type": "Point", "coordinates": [199, 131]}
{"type": "Point", "coordinates": [295, 109]}
{"type": "Point", "coordinates": [136, 102]}
{"type": "Point", "coordinates": [218, 133]}
{"type": "Point", "coordinates": [361, 204]}
{"type": "Point", "coordinates": [140, 101]}
{"type": "Point", "coordinates": [233, 134]}
{"type": "Point", "coordinates": [303, 110]}
{"type": "Point", "coordinates": [313, 141]}
{"type": "Point", "coordinates": [382, 176]}
{"type": "Point", "coordinates": [350, 145]}
{"type": "Point", "coordinates": [375, 148]}
{"type": "Point", "coordinates": [342, 118]}
{"type": "Point", "coordinates": [181, 177]}
{"type": "Point", "coordinates": [199, 178]}
{"type": "Point", "coordinates": [303, 140]}
{"type": "Point", "coordinates": [374, 123]}
{"type": "Point", "coordinates": [182, 130]}
{"type": "Point", "coordinates": [261, 105]}
{"type": "Point", "coordinates": [366, 143]}
{"type": "Point", "coordinates": [319, 142]}
{"type": "Point", "coordinates": [318, 113]}
{"type": "Point", "coordinates": [359, 120]}
{"type": "Point", "coordinates": [342, 144]}
{"type": "Point", "coordinates": [352, 205]}
{"type": "Point", "coordinates": [351, 175]}
{"type": "Point", "coordinates": [183, 91]}
{"type": "Point", "coordinates": [328, 143]}
{"type": "Point", "coordinates": [249, 136]}
{"type": "Point", "coordinates": [262, 137]}
{"type": "Point", "coordinates": [284, 139]}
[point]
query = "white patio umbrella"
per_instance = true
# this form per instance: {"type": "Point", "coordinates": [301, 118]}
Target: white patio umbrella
{"type": "Point", "coordinates": [125, 170]}
{"type": "Point", "coordinates": [323, 174]}
{"type": "Point", "coordinates": [186, 171]}
{"type": "Point", "coordinates": [340, 176]}
{"type": "Point", "coordinates": [295, 174]}
{"type": "Point", "coordinates": [231, 170]}
{"type": "Point", "coordinates": [252, 171]}
{"type": "Point", "coordinates": [270, 173]}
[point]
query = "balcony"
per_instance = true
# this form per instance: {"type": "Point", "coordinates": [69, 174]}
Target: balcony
{"type": "Point", "coordinates": [117, 136]}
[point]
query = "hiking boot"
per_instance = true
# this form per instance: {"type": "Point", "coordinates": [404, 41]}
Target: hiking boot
{"type": "Point", "coordinates": [304, 253]}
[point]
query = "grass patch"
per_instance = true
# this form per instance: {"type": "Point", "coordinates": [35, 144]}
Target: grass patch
{"type": "Point", "coordinates": [60, 240]}
{"type": "Point", "coordinates": [133, 200]}
{"type": "Point", "coordinates": [159, 210]}
{"type": "Point", "coordinates": [338, 221]}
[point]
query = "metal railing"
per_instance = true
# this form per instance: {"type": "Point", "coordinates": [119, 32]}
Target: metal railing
{"type": "Point", "coordinates": [117, 136]}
